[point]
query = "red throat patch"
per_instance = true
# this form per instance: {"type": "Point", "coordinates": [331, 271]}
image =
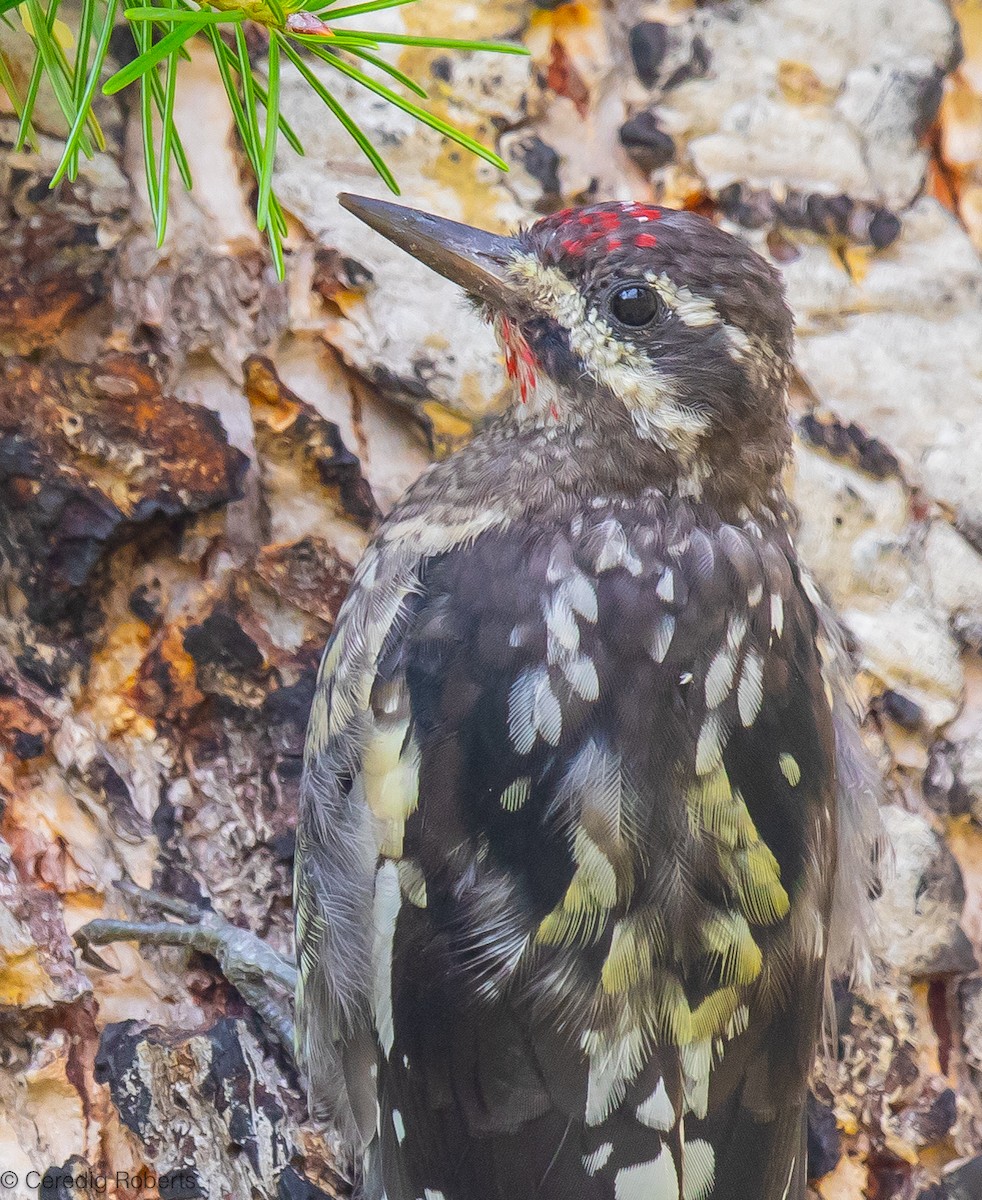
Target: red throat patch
{"type": "Point", "coordinates": [520, 362]}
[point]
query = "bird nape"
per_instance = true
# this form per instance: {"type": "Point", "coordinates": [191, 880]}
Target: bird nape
{"type": "Point", "coordinates": [567, 871]}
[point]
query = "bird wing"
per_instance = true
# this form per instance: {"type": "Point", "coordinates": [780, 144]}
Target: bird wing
{"type": "Point", "coordinates": [566, 857]}
{"type": "Point", "coordinates": [343, 823]}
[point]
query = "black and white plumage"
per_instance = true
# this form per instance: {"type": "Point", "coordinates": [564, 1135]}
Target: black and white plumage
{"type": "Point", "coordinates": [567, 859]}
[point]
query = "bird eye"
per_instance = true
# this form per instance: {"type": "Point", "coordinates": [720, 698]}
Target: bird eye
{"type": "Point", "coordinates": [636, 304]}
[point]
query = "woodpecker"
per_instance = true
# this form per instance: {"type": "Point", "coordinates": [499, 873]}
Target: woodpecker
{"type": "Point", "coordinates": [584, 807]}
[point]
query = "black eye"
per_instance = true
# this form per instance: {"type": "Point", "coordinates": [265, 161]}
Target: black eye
{"type": "Point", "coordinates": [635, 304]}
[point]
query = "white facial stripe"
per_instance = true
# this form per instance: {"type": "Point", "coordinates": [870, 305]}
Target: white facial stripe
{"type": "Point", "coordinates": [650, 397]}
{"type": "Point", "coordinates": [699, 312]}
{"type": "Point", "coordinates": [692, 310]}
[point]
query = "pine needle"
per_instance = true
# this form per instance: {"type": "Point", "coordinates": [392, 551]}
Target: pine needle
{"type": "Point", "coordinates": [72, 64]}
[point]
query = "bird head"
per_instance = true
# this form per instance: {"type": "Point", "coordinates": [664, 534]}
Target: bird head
{"type": "Point", "coordinates": [649, 327]}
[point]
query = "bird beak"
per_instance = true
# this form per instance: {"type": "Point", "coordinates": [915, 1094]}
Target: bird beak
{"type": "Point", "coordinates": [477, 260]}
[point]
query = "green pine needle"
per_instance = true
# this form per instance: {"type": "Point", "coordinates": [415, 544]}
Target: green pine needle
{"type": "Point", "coordinates": [26, 130]}
{"type": "Point", "coordinates": [298, 30]}
{"type": "Point", "coordinates": [356, 10]}
{"type": "Point", "coordinates": [348, 122]}
{"type": "Point", "coordinates": [391, 71]}
{"type": "Point", "coordinates": [155, 53]}
{"type": "Point", "coordinates": [168, 130]}
{"type": "Point", "coordinates": [421, 114]}
{"type": "Point", "coordinates": [179, 16]}
{"type": "Point", "coordinates": [85, 93]}
{"type": "Point", "coordinates": [407, 39]}
{"type": "Point", "coordinates": [272, 131]}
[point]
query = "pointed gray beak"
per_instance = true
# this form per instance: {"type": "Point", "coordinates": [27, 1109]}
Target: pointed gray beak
{"type": "Point", "coordinates": [473, 258]}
